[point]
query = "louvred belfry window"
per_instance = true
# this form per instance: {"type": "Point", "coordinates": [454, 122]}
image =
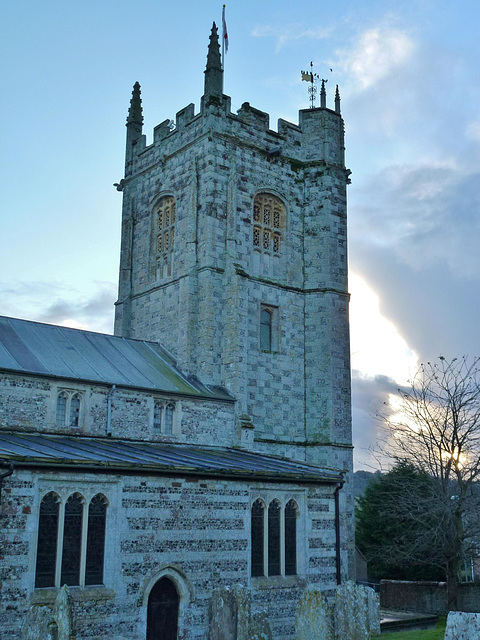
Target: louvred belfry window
{"type": "Point", "coordinates": [165, 235]}
{"type": "Point", "coordinates": [268, 223]}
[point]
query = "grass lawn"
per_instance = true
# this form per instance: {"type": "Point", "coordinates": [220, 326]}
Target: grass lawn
{"type": "Point", "coordinates": [428, 634]}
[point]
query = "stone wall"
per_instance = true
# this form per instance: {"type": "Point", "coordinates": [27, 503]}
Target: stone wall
{"type": "Point", "coordinates": [206, 311]}
{"type": "Point", "coordinates": [28, 403]}
{"type": "Point", "coordinates": [195, 531]}
{"type": "Point", "coordinates": [427, 597]}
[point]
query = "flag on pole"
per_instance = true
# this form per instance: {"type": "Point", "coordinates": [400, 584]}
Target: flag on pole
{"type": "Point", "coordinates": [224, 30]}
{"type": "Point", "coordinates": [308, 77]}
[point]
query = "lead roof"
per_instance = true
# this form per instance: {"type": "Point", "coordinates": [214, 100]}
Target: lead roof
{"type": "Point", "coordinates": [42, 349]}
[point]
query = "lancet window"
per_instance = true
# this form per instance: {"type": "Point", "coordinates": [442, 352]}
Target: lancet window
{"type": "Point", "coordinates": [68, 552]}
{"type": "Point", "coordinates": [268, 223]}
{"type": "Point", "coordinates": [274, 538]}
{"type": "Point", "coordinates": [164, 417]}
{"type": "Point", "coordinates": [68, 408]}
{"type": "Point", "coordinates": [165, 235]}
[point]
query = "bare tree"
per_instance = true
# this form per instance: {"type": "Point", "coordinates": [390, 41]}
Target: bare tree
{"type": "Point", "coordinates": [436, 429]}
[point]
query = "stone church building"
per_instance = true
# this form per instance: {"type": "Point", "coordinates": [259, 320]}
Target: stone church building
{"type": "Point", "coordinates": [206, 446]}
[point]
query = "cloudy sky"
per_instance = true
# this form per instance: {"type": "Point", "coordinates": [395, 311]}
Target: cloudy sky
{"type": "Point", "coordinates": [408, 73]}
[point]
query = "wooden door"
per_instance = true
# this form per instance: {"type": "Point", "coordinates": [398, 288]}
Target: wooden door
{"type": "Point", "coordinates": [162, 611]}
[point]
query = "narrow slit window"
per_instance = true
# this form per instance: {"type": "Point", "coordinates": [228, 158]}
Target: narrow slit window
{"type": "Point", "coordinates": [265, 330]}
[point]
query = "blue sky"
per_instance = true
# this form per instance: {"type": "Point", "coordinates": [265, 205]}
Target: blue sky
{"type": "Point", "coordinates": [409, 82]}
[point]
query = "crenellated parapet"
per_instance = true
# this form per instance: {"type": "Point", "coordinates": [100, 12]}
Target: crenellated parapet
{"type": "Point", "coordinates": [318, 137]}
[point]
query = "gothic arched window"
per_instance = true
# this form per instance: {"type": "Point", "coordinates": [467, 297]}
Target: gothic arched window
{"type": "Point", "coordinates": [61, 413]}
{"type": "Point", "coordinates": [168, 425]}
{"type": "Point", "coordinates": [47, 541]}
{"type": "Point", "coordinates": [268, 223]}
{"type": "Point", "coordinates": [274, 538]}
{"type": "Point", "coordinates": [258, 541]}
{"type": "Point", "coordinates": [72, 540]}
{"type": "Point", "coordinates": [79, 558]}
{"type": "Point", "coordinates": [157, 416]}
{"type": "Point", "coordinates": [68, 409]}
{"type": "Point", "coordinates": [164, 417]}
{"type": "Point", "coordinates": [291, 538]}
{"type": "Point", "coordinates": [75, 410]}
{"type": "Point", "coordinates": [97, 519]}
{"type": "Point", "coordinates": [165, 235]}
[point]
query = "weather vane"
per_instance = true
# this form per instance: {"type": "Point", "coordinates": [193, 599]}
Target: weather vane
{"type": "Point", "coordinates": [311, 77]}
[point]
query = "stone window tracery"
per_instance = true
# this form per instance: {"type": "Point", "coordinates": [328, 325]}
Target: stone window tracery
{"type": "Point", "coordinates": [67, 551]}
{"type": "Point", "coordinates": [268, 223]}
{"type": "Point", "coordinates": [165, 416]}
{"type": "Point", "coordinates": [165, 235]}
{"type": "Point", "coordinates": [274, 538]}
{"type": "Point", "coordinates": [68, 408]}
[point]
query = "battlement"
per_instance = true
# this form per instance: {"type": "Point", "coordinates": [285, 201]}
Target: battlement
{"type": "Point", "coordinates": [318, 136]}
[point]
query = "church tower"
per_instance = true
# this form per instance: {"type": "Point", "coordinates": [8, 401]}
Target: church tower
{"type": "Point", "coordinates": [234, 257]}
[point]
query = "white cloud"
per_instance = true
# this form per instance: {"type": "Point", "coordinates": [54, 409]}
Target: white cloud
{"type": "Point", "coordinates": [376, 54]}
{"type": "Point", "coordinates": [284, 34]}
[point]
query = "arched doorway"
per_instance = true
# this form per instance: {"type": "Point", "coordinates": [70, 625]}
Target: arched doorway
{"type": "Point", "coordinates": [162, 611]}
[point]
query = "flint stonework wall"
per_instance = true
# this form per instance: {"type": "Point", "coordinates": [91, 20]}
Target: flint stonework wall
{"type": "Point", "coordinates": [28, 403]}
{"type": "Point", "coordinates": [207, 311]}
{"type": "Point", "coordinates": [196, 531]}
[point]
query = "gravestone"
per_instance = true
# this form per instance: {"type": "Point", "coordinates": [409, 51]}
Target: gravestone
{"type": "Point", "coordinates": [356, 613]}
{"type": "Point", "coordinates": [314, 619]}
{"type": "Point", "coordinates": [462, 626]}
{"type": "Point", "coordinates": [50, 623]}
{"type": "Point", "coordinates": [231, 616]}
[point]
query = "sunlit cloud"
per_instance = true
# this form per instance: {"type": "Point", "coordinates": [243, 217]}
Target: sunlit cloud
{"type": "Point", "coordinates": [377, 347]}
{"type": "Point", "coordinates": [374, 55]}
